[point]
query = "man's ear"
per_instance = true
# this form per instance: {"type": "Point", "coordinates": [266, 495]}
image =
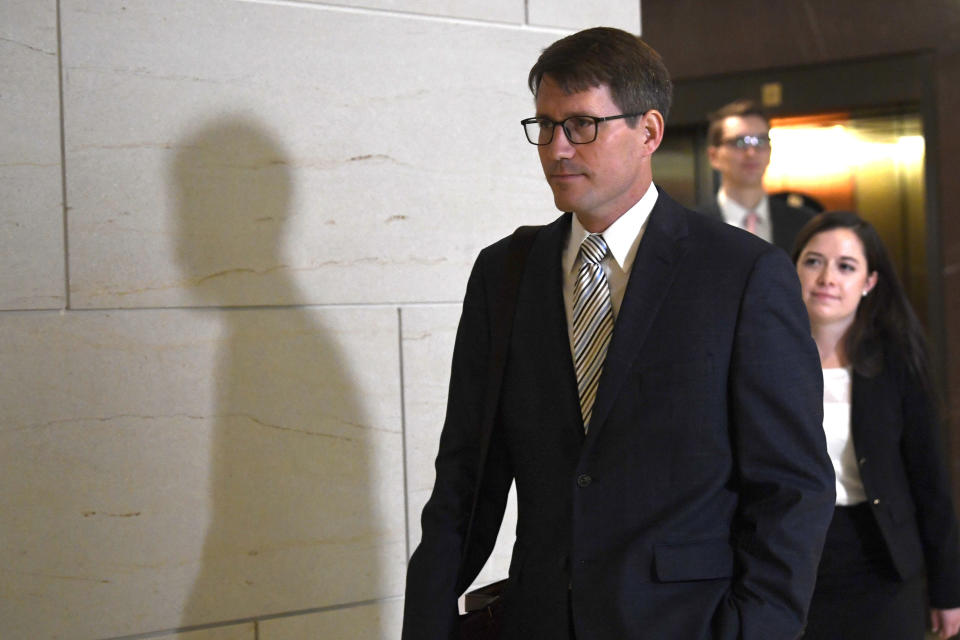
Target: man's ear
{"type": "Point", "coordinates": [712, 156]}
{"type": "Point", "coordinates": [652, 125]}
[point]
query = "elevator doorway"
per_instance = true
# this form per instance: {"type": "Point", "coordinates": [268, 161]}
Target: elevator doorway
{"type": "Point", "coordinates": [873, 165]}
{"type": "Point", "coordinates": [845, 135]}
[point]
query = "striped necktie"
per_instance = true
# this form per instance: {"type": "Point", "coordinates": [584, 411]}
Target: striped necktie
{"type": "Point", "coordinates": [592, 322]}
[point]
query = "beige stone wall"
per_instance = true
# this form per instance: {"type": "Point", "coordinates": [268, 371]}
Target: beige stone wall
{"type": "Point", "coordinates": [234, 237]}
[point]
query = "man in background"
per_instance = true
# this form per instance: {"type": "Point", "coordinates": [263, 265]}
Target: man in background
{"type": "Point", "coordinates": [739, 139]}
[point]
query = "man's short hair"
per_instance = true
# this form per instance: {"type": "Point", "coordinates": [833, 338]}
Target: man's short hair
{"type": "Point", "coordinates": [636, 75]}
{"type": "Point", "coordinates": [739, 108]}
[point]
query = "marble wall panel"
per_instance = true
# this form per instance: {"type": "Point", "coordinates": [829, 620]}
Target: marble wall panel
{"type": "Point", "coordinates": [574, 14]}
{"type": "Point", "coordinates": [428, 334]}
{"type": "Point", "coordinates": [233, 632]}
{"type": "Point", "coordinates": [281, 153]}
{"type": "Point", "coordinates": [31, 210]}
{"type": "Point", "coordinates": [169, 468]}
{"type": "Point", "coordinates": [377, 621]}
{"type": "Point", "coordinates": [511, 11]}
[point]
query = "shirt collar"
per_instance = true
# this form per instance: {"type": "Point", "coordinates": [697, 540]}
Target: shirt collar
{"type": "Point", "coordinates": [733, 212]}
{"type": "Point", "coordinates": [620, 236]}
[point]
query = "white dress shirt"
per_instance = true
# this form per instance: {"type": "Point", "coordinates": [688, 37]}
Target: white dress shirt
{"type": "Point", "coordinates": [623, 239]}
{"type": "Point", "coordinates": [734, 214]}
{"type": "Point", "coordinates": [837, 384]}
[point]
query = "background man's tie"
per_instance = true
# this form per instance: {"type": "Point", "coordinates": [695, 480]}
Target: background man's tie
{"type": "Point", "coordinates": [750, 221]}
{"type": "Point", "coordinates": [592, 322]}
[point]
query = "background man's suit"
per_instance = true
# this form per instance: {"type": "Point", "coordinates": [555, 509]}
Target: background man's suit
{"type": "Point", "coordinates": [785, 220]}
{"type": "Point", "coordinates": [696, 506]}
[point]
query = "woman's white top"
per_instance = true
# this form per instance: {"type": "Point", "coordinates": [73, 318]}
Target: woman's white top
{"type": "Point", "coordinates": [837, 384]}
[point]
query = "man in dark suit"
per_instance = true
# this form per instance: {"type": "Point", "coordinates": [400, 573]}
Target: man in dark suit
{"type": "Point", "coordinates": [672, 478]}
{"type": "Point", "coordinates": [739, 139]}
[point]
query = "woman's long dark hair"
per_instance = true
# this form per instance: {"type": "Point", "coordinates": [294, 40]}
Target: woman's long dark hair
{"type": "Point", "coordinates": [885, 320]}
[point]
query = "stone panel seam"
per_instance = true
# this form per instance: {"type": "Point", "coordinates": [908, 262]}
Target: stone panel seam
{"type": "Point", "coordinates": [63, 163]}
{"type": "Point", "coordinates": [255, 620]}
{"type": "Point", "coordinates": [525, 26]}
{"type": "Point", "coordinates": [403, 438]}
{"type": "Point", "coordinates": [308, 307]}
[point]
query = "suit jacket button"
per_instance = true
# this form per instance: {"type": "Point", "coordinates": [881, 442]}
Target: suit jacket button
{"type": "Point", "coordinates": [584, 480]}
{"type": "Point", "coordinates": [863, 461]}
{"type": "Point", "coordinates": [876, 501]}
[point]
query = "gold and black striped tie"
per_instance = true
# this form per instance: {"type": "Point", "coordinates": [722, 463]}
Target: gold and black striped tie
{"type": "Point", "coordinates": [592, 322]}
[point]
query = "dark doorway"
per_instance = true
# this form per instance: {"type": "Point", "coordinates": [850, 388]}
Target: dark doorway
{"type": "Point", "coordinates": [853, 135]}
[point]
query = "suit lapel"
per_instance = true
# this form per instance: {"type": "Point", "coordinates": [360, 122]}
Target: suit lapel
{"type": "Point", "coordinates": [783, 230]}
{"type": "Point", "coordinates": [658, 257]}
{"type": "Point", "coordinates": [863, 408]}
{"type": "Point", "coordinates": [543, 292]}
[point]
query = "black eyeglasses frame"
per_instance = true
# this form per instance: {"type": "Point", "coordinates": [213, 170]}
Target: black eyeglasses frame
{"type": "Point", "coordinates": [563, 124]}
{"type": "Point", "coordinates": [742, 143]}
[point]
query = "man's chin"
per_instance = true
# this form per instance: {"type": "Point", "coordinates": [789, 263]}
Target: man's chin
{"type": "Point", "coordinates": [563, 201]}
{"type": "Point", "coordinates": [563, 206]}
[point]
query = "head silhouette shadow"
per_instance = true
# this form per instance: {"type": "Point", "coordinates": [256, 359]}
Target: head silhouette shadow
{"type": "Point", "coordinates": [288, 518]}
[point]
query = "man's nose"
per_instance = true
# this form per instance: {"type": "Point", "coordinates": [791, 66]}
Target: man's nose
{"type": "Point", "coordinates": [560, 146]}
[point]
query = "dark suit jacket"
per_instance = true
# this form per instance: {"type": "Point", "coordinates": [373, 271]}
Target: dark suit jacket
{"type": "Point", "coordinates": [785, 221]}
{"type": "Point", "coordinates": [899, 454]}
{"type": "Point", "coordinates": [697, 505]}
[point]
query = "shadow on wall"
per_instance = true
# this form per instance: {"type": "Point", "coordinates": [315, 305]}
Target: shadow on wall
{"type": "Point", "coordinates": [289, 519]}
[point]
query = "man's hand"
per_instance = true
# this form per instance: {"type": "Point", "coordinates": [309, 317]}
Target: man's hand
{"type": "Point", "coordinates": [945, 622]}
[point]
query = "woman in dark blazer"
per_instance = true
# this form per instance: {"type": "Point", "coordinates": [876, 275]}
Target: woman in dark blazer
{"type": "Point", "coordinates": [892, 548]}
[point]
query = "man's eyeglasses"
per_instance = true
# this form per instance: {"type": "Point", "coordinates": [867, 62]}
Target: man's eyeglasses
{"type": "Point", "coordinates": [748, 142]}
{"type": "Point", "coordinates": [578, 129]}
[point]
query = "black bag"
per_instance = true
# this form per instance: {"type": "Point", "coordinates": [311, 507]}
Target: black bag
{"type": "Point", "coordinates": [484, 606]}
{"type": "Point", "coordinates": [484, 613]}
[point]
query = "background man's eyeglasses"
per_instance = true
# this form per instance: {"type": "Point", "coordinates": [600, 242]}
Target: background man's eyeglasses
{"type": "Point", "coordinates": [744, 142]}
{"type": "Point", "coordinates": [578, 129]}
